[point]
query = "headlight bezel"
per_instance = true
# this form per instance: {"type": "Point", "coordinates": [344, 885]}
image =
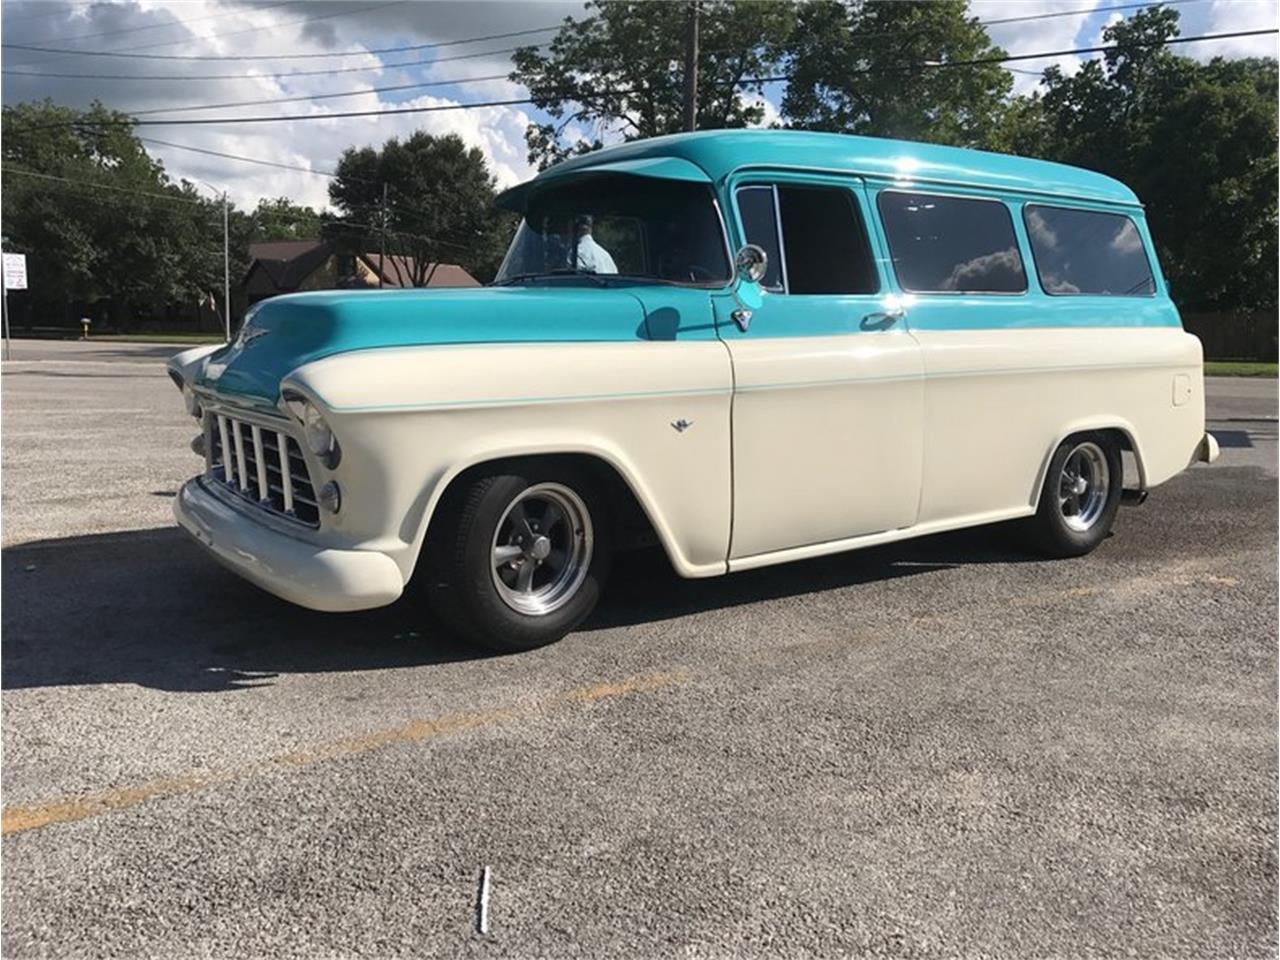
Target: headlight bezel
{"type": "Point", "coordinates": [317, 434]}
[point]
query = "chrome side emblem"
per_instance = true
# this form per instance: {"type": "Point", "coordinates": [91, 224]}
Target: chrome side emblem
{"type": "Point", "coordinates": [681, 425]}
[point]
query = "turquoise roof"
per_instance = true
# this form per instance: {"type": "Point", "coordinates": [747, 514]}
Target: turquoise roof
{"type": "Point", "coordinates": [720, 152]}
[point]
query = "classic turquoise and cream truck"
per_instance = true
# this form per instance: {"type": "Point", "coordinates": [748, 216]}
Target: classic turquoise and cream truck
{"type": "Point", "coordinates": [748, 347]}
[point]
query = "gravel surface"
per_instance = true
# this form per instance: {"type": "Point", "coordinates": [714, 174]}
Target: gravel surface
{"type": "Point", "coordinates": [939, 748]}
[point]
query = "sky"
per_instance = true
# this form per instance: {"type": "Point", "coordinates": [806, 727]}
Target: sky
{"type": "Point", "coordinates": [337, 35]}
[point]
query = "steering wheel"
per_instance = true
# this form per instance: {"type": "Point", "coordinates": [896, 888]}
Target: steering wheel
{"type": "Point", "coordinates": [700, 274]}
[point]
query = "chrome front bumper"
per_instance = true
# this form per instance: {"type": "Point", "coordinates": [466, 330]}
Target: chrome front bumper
{"type": "Point", "coordinates": [313, 576]}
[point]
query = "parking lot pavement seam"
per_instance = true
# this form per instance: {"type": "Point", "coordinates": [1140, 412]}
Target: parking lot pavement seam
{"type": "Point", "coordinates": [20, 819]}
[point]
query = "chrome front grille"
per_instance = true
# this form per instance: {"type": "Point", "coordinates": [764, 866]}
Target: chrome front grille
{"type": "Point", "coordinates": [263, 466]}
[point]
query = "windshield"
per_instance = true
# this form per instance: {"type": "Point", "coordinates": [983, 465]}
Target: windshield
{"type": "Point", "coordinates": [633, 227]}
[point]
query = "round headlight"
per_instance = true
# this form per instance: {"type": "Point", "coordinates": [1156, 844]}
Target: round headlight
{"type": "Point", "coordinates": [319, 436]}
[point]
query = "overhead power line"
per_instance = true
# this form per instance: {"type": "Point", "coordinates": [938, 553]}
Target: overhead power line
{"type": "Point", "coordinates": [201, 202]}
{"type": "Point", "coordinates": [515, 101]}
{"type": "Point", "coordinates": [130, 55]}
{"type": "Point", "coordinates": [132, 52]}
{"type": "Point", "coordinates": [102, 186]}
{"type": "Point", "coordinates": [415, 63]}
{"type": "Point", "coordinates": [239, 11]}
{"type": "Point", "coordinates": [317, 96]}
{"type": "Point", "coordinates": [1082, 12]}
{"type": "Point", "coordinates": [271, 76]}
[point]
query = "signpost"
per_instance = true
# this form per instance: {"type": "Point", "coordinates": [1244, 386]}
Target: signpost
{"type": "Point", "coordinates": [13, 266]}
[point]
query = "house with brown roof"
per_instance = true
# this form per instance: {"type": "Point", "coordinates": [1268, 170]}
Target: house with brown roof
{"type": "Point", "coordinates": [291, 266]}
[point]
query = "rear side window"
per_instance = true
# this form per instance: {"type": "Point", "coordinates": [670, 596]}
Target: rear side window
{"type": "Point", "coordinates": [1087, 252]}
{"type": "Point", "coordinates": [951, 244]}
{"type": "Point", "coordinates": [815, 235]}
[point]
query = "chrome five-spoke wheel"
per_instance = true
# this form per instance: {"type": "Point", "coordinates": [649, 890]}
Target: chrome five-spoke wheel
{"type": "Point", "coordinates": [1083, 486]}
{"type": "Point", "coordinates": [542, 549]}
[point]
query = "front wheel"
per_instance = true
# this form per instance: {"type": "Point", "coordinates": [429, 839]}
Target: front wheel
{"type": "Point", "coordinates": [517, 559]}
{"type": "Point", "coordinates": [1080, 497]}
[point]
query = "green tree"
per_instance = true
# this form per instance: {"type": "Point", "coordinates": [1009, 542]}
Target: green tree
{"type": "Point", "coordinates": [620, 71]}
{"type": "Point", "coordinates": [855, 68]}
{"type": "Point", "coordinates": [1197, 143]}
{"type": "Point", "coordinates": [282, 219]}
{"type": "Point", "coordinates": [101, 221]}
{"type": "Point", "coordinates": [439, 206]}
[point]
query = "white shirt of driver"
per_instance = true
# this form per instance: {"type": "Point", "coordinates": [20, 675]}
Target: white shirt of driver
{"type": "Point", "coordinates": [594, 258]}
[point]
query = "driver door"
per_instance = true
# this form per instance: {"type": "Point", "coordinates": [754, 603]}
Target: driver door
{"type": "Point", "coordinates": [829, 391]}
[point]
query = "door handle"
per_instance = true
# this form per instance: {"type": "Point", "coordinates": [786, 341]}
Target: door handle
{"type": "Point", "coordinates": [883, 319]}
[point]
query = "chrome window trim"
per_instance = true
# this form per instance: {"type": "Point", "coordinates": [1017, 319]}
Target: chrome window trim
{"type": "Point", "coordinates": [908, 183]}
{"type": "Point", "coordinates": [777, 229]}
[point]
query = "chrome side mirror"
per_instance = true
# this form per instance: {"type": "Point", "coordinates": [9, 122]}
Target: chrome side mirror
{"type": "Point", "coordinates": [751, 264]}
{"type": "Point", "coordinates": [749, 267]}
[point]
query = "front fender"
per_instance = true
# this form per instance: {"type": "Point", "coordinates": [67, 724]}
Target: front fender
{"type": "Point", "coordinates": [410, 420]}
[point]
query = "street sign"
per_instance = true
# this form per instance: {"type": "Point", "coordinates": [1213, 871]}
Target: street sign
{"type": "Point", "coordinates": [15, 271]}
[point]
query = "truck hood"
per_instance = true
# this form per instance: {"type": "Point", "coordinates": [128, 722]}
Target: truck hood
{"type": "Point", "coordinates": [283, 333]}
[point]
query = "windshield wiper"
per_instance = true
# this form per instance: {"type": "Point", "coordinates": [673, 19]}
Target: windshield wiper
{"type": "Point", "coordinates": [540, 274]}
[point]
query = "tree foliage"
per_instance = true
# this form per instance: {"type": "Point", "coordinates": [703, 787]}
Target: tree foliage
{"type": "Point", "coordinates": [856, 68]}
{"type": "Point", "coordinates": [1196, 142]}
{"type": "Point", "coordinates": [619, 71]}
{"type": "Point", "coordinates": [113, 229]}
{"type": "Point", "coordinates": [439, 205]}
{"type": "Point", "coordinates": [282, 219]}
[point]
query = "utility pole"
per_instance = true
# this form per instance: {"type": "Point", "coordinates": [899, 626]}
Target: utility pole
{"type": "Point", "coordinates": [226, 265]}
{"type": "Point", "coordinates": [4, 292]}
{"type": "Point", "coordinates": [691, 69]}
{"type": "Point", "coordinates": [382, 252]}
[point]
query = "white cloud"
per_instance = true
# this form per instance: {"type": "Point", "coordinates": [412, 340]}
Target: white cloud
{"type": "Point", "coordinates": [1034, 36]}
{"type": "Point", "coordinates": [234, 28]}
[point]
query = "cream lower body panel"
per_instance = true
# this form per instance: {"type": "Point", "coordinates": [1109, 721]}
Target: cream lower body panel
{"type": "Point", "coordinates": [998, 402]}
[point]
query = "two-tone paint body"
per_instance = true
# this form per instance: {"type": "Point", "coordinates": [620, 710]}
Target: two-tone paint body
{"type": "Point", "coordinates": [806, 433]}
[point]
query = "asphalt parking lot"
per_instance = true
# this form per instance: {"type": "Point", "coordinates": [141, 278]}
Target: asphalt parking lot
{"type": "Point", "coordinates": [942, 748]}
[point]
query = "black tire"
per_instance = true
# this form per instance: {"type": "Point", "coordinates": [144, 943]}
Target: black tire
{"type": "Point", "coordinates": [459, 554]}
{"type": "Point", "coordinates": [1055, 531]}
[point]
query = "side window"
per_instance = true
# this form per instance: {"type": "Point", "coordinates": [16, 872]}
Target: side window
{"type": "Point", "coordinates": [822, 246]}
{"type": "Point", "coordinates": [951, 244]}
{"type": "Point", "coordinates": [760, 224]}
{"type": "Point", "coordinates": [1086, 252]}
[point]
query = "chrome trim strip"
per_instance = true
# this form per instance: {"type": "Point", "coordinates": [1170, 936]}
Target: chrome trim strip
{"type": "Point", "coordinates": [228, 467]}
{"type": "Point", "coordinates": [286, 478]}
{"type": "Point", "coordinates": [260, 461]}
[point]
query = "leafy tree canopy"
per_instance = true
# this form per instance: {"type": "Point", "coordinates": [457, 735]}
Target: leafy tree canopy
{"type": "Point", "coordinates": [121, 231]}
{"type": "Point", "coordinates": [1196, 142]}
{"type": "Point", "coordinates": [855, 68]}
{"type": "Point", "coordinates": [620, 71]}
{"type": "Point", "coordinates": [439, 205]}
{"type": "Point", "coordinates": [282, 219]}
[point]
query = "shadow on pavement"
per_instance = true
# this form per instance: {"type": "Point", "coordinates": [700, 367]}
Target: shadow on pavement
{"type": "Point", "coordinates": [149, 607]}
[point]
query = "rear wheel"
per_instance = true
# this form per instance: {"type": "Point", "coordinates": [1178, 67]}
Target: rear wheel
{"type": "Point", "coordinates": [1080, 497]}
{"type": "Point", "coordinates": [517, 559]}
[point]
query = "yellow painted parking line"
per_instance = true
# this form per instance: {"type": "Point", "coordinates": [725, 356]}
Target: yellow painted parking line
{"type": "Point", "coordinates": [18, 819]}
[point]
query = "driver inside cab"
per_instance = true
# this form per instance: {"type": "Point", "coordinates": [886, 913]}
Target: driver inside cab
{"type": "Point", "coordinates": [590, 256]}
